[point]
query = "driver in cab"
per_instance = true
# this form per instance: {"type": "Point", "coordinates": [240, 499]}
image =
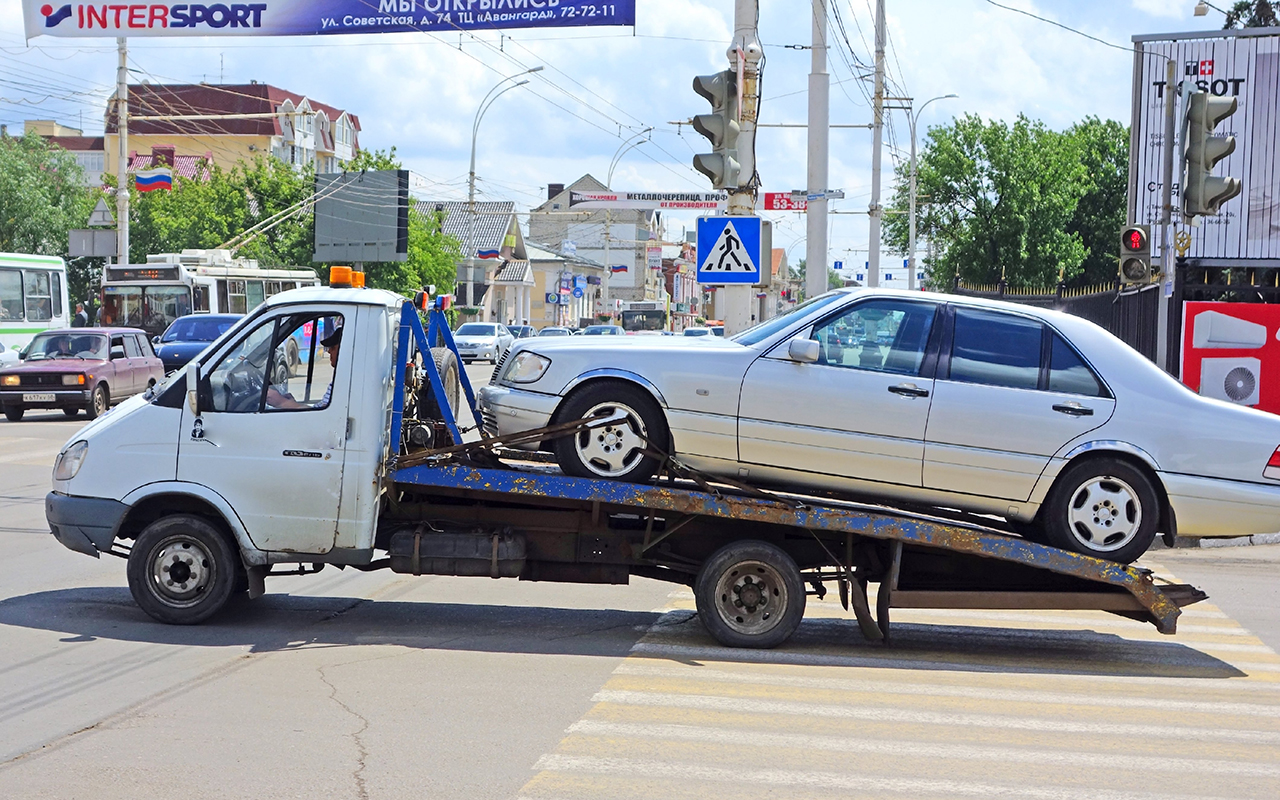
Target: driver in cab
{"type": "Point", "coordinates": [283, 400]}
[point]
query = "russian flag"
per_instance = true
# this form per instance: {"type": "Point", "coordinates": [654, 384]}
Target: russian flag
{"type": "Point", "coordinates": [487, 253]}
{"type": "Point", "coordinates": [616, 268]}
{"type": "Point", "coordinates": [149, 180]}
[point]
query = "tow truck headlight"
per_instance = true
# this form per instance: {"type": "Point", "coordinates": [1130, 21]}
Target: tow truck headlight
{"type": "Point", "coordinates": [526, 368]}
{"type": "Point", "coordinates": [10, 380]}
{"type": "Point", "coordinates": [69, 461]}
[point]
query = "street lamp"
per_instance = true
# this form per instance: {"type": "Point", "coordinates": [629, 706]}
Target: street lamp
{"type": "Point", "coordinates": [627, 144]}
{"type": "Point", "coordinates": [488, 101]}
{"type": "Point", "coordinates": [911, 211]}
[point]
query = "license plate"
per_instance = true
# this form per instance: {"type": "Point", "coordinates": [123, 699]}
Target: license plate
{"type": "Point", "coordinates": [32, 397]}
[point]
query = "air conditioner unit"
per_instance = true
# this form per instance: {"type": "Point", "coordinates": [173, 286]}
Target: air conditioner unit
{"type": "Point", "coordinates": [1235, 380]}
{"type": "Point", "coordinates": [1212, 330]}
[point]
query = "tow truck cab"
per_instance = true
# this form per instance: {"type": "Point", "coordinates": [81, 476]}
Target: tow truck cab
{"type": "Point", "coordinates": [290, 481]}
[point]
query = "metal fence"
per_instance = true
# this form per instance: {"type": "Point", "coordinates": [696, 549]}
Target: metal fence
{"type": "Point", "coordinates": [1130, 314]}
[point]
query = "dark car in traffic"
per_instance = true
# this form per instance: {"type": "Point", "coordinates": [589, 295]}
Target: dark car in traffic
{"type": "Point", "coordinates": [187, 336]}
{"type": "Point", "coordinates": [79, 368]}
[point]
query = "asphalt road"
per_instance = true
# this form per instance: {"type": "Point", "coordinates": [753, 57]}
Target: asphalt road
{"type": "Point", "coordinates": [352, 685]}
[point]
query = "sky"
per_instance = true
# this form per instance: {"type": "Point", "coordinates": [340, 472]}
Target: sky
{"type": "Point", "coordinates": [419, 92]}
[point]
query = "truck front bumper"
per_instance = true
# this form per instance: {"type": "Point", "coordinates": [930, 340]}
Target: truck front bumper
{"type": "Point", "coordinates": [506, 411]}
{"type": "Point", "coordinates": [83, 524]}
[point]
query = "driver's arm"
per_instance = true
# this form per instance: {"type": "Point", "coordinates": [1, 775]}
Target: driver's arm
{"type": "Point", "coordinates": [277, 399]}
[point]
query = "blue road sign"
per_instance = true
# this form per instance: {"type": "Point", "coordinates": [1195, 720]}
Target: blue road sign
{"type": "Point", "coordinates": [729, 250]}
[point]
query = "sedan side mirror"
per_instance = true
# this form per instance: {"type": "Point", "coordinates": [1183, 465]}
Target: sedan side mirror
{"type": "Point", "coordinates": [804, 351]}
{"type": "Point", "coordinates": [117, 352]}
{"type": "Point", "coordinates": [155, 340]}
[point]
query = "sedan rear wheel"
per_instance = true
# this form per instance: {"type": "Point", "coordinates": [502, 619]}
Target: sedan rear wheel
{"type": "Point", "coordinates": [1104, 508]}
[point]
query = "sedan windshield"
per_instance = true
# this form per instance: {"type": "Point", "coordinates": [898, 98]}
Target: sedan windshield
{"type": "Point", "coordinates": [478, 329]}
{"type": "Point", "coordinates": [197, 329]}
{"type": "Point", "coordinates": [600, 330]}
{"type": "Point", "coordinates": [769, 327]}
{"type": "Point", "coordinates": [67, 345]}
{"type": "Point", "coordinates": [554, 332]}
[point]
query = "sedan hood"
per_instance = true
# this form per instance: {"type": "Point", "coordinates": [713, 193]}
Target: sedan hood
{"type": "Point", "coordinates": [54, 365]}
{"type": "Point", "coordinates": [475, 339]}
{"type": "Point", "coordinates": [593, 344]}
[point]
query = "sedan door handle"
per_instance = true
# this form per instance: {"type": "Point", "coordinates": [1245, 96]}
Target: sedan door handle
{"type": "Point", "coordinates": [909, 390]}
{"type": "Point", "coordinates": [1073, 409]}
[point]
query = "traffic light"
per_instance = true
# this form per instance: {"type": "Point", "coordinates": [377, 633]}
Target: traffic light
{"type": "Point", "coordinates": [1202, 192]}
{"type": "Point", "coordinates": [721, 127]}
{"type": "Point", "coordinates": [1135, 254]}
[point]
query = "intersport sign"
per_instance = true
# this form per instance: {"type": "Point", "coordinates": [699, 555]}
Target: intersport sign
{"type": "Point", "coordinates": [311, 17]}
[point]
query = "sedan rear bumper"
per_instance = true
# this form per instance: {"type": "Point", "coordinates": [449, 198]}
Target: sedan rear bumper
{"type": "Point", "coordinates": [1214, 507]}
{"type": "Point", "coordinates": [506, 411]}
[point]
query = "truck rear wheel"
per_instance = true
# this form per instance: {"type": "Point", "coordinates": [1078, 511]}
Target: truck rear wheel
{"type": "Point", "coordinates": [750, 594]}
{"type": "Point", "coordinates": [181, 570]}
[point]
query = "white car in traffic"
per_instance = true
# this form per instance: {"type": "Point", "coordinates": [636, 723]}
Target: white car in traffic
{"type": "Point", "coordinates": [921, 399]}
{"type": "Point", "coordinates": [482, 340]}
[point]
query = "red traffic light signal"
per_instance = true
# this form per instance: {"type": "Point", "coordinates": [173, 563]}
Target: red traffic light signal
{"type": "Point", "coordinates": [1135, 240]}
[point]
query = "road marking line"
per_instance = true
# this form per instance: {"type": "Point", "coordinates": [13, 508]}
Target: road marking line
{"type": "Point", "coordinates": [706, 674]}
{"type": "Point", "coordinates": [1127, 763]}
{"type": "Point", "coordinates": [825, 780]}
{"type": "Point", "coordinates": [890, 714]}
{"type": "Point", "coordinates": [31, 455]}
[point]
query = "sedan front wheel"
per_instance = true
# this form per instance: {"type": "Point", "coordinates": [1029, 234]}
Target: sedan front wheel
{"type": "Point", "coordinates": [1104, 508]}
{"type": "Point", "coordinates": [615, 449]}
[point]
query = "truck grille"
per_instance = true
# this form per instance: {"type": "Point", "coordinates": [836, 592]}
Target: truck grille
{"type": "Point", "coordinates": [490, 421]}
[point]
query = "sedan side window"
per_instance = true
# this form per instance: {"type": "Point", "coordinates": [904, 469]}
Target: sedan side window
{"type": "Point", "coordinates": [996, 349]}
{"type": "Point", "coordinates": [1069, 374]}
{"type": "Point", "coordinates": [131, 347]}
{"type": "Point", "coordinates": [880, 335]}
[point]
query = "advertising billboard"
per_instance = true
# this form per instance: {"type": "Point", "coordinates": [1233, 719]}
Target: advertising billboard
{"type": "Point", "coordinates": [1239, 64]}
{"type": "Point", "coordinates": [1230, 351]}
{"type": "Point", "coordinates": [362, 216]}
{"type": "Point", "coordinates": [311, 17]}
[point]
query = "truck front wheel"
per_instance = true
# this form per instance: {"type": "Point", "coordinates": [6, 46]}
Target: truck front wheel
{"type": "Point", "coordinates": [750, 594]}
{"type": "Point", "coordinates": [182, 570]}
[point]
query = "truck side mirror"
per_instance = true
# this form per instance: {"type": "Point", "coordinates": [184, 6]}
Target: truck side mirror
{"type": "Point", "coordinates": [804, 351]}
{"type": "Point", "coordinates": [193, 387]}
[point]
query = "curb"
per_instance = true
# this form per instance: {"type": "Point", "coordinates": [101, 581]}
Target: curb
{"type": "Point", "coordinates": [1196, 542]}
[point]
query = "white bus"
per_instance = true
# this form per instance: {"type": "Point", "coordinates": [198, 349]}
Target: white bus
{"type": "Point", "coordinates": [172, 285]}
{"type": "Point", "coordinates": [33, 298]}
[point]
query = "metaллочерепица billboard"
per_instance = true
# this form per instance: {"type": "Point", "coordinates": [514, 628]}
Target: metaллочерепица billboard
{"type": "Point", "coordinates": [312, 17]}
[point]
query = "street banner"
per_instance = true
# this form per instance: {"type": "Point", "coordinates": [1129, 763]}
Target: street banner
{"type": "Point", "coordinates": [784, 201]}
{"type": "Point", "coordinates": [590, 201]}
{"type": "Point", "coordinates": [1240, 64]}
{"type": "Point", "coordinates": [311, 17]}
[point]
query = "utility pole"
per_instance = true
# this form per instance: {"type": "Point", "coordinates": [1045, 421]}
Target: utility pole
{"type": "Point", "coordinates": [744, 56]}
{"type": "Point", "coordinates": [877, 127]}
{"type": "Point", "coordinates": [815, 246]}
{"type": "Point", "coordinates": [122, 152]}
{"type": "Point", "coordinates": [1166, 211]}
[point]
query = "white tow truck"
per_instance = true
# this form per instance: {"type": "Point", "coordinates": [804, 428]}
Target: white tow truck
{"type": "Point", "coordinates": [223, 476]}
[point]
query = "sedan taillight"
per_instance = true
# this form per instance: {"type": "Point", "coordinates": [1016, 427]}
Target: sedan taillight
{"type": "Point", "coordinates": [1272, 470]}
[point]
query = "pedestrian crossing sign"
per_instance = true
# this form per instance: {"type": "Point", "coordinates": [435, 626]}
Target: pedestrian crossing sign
{"type": "Point", "coordinates": [729, 250]}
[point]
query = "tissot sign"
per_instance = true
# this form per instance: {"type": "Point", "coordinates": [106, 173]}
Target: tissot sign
{"type": "Point", "coordinates": [309, 17]}
{"type": "Point", "coordinates": [1224, 64]}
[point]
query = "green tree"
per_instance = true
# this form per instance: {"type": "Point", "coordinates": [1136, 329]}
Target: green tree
{"type": "Point", "coordinates": [1103, 148]}
{"type": "Point", "coordinates": [42, 197]}
{"type": "Point", "coordinates": [218, 205]}
{"type": "Point", "coordinates": [1251, 14]}
{"type": "Point", "coordinates": [834, 281]}
{"type": "Point", "coordinates": [996, 200]}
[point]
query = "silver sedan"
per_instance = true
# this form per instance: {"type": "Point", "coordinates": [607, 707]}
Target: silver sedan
{"type": "Point", "coordinates": [1039, 417]}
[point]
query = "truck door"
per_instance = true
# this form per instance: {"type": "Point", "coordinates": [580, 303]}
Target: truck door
{"type": "Point", "coordinates": [272, 436]}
